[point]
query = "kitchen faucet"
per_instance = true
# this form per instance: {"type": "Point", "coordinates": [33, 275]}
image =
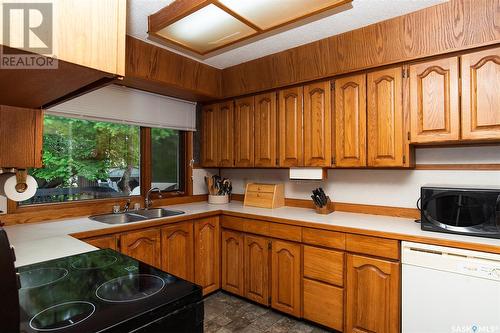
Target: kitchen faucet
{"type": "Point", "coordinates": [147, 201]}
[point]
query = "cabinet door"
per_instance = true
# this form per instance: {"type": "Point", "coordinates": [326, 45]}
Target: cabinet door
{"type": "Point", "coordinates": [385, 118]}
{"type": "Point", "coordinates": [481, 95]}
{"type": "Point", "coordinates": [106, 242]}
{"type": "Point", "coordinates": [177, 250]}
{"type": "Point", "coordinates": [257, 269]}
{"type": "Point", "coordinates": [232, 262]}
{"type": "Point", "coordinates": [434, 109]}
{"type": "Point", "coordinates": [317, 124]}
{"type": "Point", "coordinates": [265, 130]}
{"type": "Point", "coordinates": [23, 129]}
{"type": "Point", "coordinates": [244, 134]}
{"type": "Point", "coordinates": [207, 254]}
{"type": "Point", "coordinates": [350, 121]}
{"type": "Point", "coordinates": [324, 304]}
{"type": "Point", "coordinates": [286, 276]}
{"type": "Point", "coordinates": [209, 150]}
{"type": "Point", "coordinates": [373, 295]}
{"type": "Point", "coordinates": [290, 127]}
{"type": "Point", "coordinates": [143, 245]}
{"type": "Point", "coordinates": [225, 129]}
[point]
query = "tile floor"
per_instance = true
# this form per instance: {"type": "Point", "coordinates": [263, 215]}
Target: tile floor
{"type": "Point", "coordinates": [225, 313]}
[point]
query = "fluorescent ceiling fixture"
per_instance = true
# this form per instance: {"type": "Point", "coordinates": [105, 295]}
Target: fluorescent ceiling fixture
{"type": "Point", "coordinates": [206, 29]}
{"type": "Point", "coordinates": [270, 13]}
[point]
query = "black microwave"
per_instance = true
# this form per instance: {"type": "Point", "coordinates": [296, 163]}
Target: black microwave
{"type": "Point", "coordinates": [473, 211]}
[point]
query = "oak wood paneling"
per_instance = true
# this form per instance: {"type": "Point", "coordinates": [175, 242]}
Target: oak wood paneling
{"type": "Point", "coordinates": [385, 118]}
{"type": "Point", "coordinates": [233, 276]}
{"type": "Point", "coordinates": [209, 133]}
{"type": "Point", "coordinates": [224, 126]}
{"type": "Point", "coordinates": [257, 264]}
{"type": "Point", "coordinates": [317, 124]}
{"type": "Point", "coordinates": [105, 242]}
{"type": "Point", "coordinates": [177, 250]}
{"type": "Point", "coordinates": [290, 127]}
{"type": "Point", "coordinates": [452, 26]}
{"type": "Point", "coordinates": [481, 95]}
{"type": "Point", "coordinates": [350, 121]}
{"type": "Point", "coordinates": [266, 138]}
{"type": "Point", "coordinates": [143, 245]}
{"type": "Point", "coordinates": [434, 101]}
{"type": "Point", "coordinates": [324, 304]}
{"type": "Point", "coordinates": [244, 132]}
{"type": "Point", "coordinates": [207, 253]}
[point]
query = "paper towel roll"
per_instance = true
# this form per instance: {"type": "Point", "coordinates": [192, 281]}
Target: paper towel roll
{"type": "Point", "coordinates": [8, 187]}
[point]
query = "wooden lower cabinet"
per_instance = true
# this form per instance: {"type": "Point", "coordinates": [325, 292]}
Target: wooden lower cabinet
{"type": "Point", "coordinates": [373, 295]}
{"type": "Point", "coordinates": [105, 242]}
{"type": "Point", "coordinates": [143, 245]}
{"type": "Point", "coordinates": [286, 277]}
{"type": "Point", "coordinates": [324, 304]}
{"type": "Point", "coordinates": [257, 269]}
{"type": "Point", "coordinates": [233, 262]}
{"type": "Point", "coordinates": [207, 254]}
{"type": "Point", "coordinates": [177, 250]}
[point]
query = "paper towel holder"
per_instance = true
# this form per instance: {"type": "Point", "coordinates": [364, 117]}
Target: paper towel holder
{"type": "Point", "coordinates": [21, 176]}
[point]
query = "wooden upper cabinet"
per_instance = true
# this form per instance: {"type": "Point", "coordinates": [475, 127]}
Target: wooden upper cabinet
{"type": "Point", "coordinates": [265, 130]}
{"type": "Point", "coordinates": [385, 118]}
{"type": "Point", "coordinates": [350, 121]}
{"type": "Point", "coordinates": [177, 250]}
{"type": "Point", "coordinates": [286, 277]}
{"type": "Point", "coordinates": [481, 95]}
{"type": "Point", "coordinates": [209, 144]}
{"type": "Point", "coordinates": [225, 128]}
{"type": "Point", "coordinates": [23, 129]}
{"type": "Point", "coordinates": [373, 295]}
{"type": "Point", "coordinates": [207, 254]}
{"type": "Point", "coordinates": [143, 245]}
{"type": "Point", "coordinates": [233, 262]}
{"type": "Point", "coordinates": [317, 124]}
{"type": "Point", "coordinates": [434, 101]}
{"type": "Point", "coordinates": [244, 132]}
{"type": "Point", "coordinates": [290, 127]}
{"type": "Point", "coordinates": [257, 269]}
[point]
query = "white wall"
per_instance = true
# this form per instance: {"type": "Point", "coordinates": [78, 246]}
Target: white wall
{"type": "Point", "coordinates": [398, 188]}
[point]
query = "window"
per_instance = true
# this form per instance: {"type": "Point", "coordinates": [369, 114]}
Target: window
{"type": "Point", "coordinates": [167, 159]}
{"type": "Point", "coordinates": [87, 160]}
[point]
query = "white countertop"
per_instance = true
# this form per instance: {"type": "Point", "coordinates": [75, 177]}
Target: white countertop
{"type": "Point", "coordinates": [36, 242]}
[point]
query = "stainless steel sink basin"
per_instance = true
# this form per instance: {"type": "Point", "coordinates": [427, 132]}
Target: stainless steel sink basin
{"type": "Point", "coordinates": [135, 216]}
{"type": "Point", "coordinates": [156, 213]}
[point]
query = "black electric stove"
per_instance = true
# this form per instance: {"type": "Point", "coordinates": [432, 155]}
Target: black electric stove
{"type": "Point", "coordinates": [105, 291]}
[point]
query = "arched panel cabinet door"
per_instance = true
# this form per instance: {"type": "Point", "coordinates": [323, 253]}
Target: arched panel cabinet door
{"type": "Point", "coordinates": [350, 121]}
{"type": "Point", "coordinates": [385, 139]}
{"type": "Point", "coordinates": [266, 128]}
{"type": "Point", "coordinates": [481, 95]}
{"type": "Point", "coordinates": [434, 101]}
{"type": "Point", "coordinates": [290, 127]}
{"type": "Point", "coordinates": [257, 269]}
{"type": "Point", "coordinates": [232, 262]}
{"type": "Point", "coordinates": [207, 253]}
{"type": "Point", "coordinates": [143, 245]}
{"type": "Point", "coordinates": [177, 250]}
{"type": "Point", "coordinates": [244, 132]}
{"type": "Point", "coordinates": [318, 124]}
{"type": "Point", "coordinates": [373, 295]}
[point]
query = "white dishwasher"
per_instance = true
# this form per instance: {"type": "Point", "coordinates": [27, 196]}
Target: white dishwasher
{"type": "Point", "coordinates": [449, 290]}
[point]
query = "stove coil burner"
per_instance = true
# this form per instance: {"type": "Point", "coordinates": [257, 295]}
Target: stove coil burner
{"type": "Point", "coordinates": [93, 261]}
{"type": "Point", "coordinates": [130, 288]}
{"type": "Point", "coordinates": [40, 277]}
{"type": "Point", "coordinates": [62, 316]}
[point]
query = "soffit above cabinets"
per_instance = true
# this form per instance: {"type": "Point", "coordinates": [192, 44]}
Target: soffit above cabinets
{"type": "Point", "coordinates": [204, 26]}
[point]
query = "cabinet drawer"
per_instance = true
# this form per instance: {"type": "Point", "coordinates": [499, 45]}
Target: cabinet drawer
{"type": "Point", "coordinates": [245, 225]}
{"type": "Point", "coordinates": [324, 238]}
{"type": "Point", "coordinates": [375, 246]}
{"type": "Point", "coordinates": [324, 304]}
{"type": "Point", "coordinates": [324, 265]}
{"type": "Point", "coordinates": [283, 231]}
{"type": "Point", "coordinates": [267, 188]}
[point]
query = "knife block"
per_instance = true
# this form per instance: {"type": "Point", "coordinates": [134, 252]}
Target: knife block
{"type": "Point", "coordinates": [328, 209]}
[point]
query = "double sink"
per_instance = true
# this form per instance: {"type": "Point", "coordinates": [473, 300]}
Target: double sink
{"type": "Point", "coordinates": [135, 216]}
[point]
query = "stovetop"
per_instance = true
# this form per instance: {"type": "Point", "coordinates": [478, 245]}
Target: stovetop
{"type": "Point", "coordinates": [99, 291]}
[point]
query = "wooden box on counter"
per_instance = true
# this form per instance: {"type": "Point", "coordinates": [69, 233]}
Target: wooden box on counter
{"type": "Point", "coordinates": [265, 195]}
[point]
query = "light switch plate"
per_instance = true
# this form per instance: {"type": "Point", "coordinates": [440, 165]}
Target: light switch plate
{"type": "Point", "coordinates": [3, 205]}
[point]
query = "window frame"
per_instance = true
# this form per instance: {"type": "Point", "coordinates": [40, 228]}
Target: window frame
{"type": "Point", "coordinates": [91, 206]}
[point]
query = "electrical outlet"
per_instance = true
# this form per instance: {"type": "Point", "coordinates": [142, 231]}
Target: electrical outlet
{"type": "Point", "coordinates": [3, 205]}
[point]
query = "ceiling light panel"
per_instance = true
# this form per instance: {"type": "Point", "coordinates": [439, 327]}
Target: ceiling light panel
{"type": "Point", "coordinates": [206, 29]}
{"type": "Point", "coordinates": [270, 13]}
